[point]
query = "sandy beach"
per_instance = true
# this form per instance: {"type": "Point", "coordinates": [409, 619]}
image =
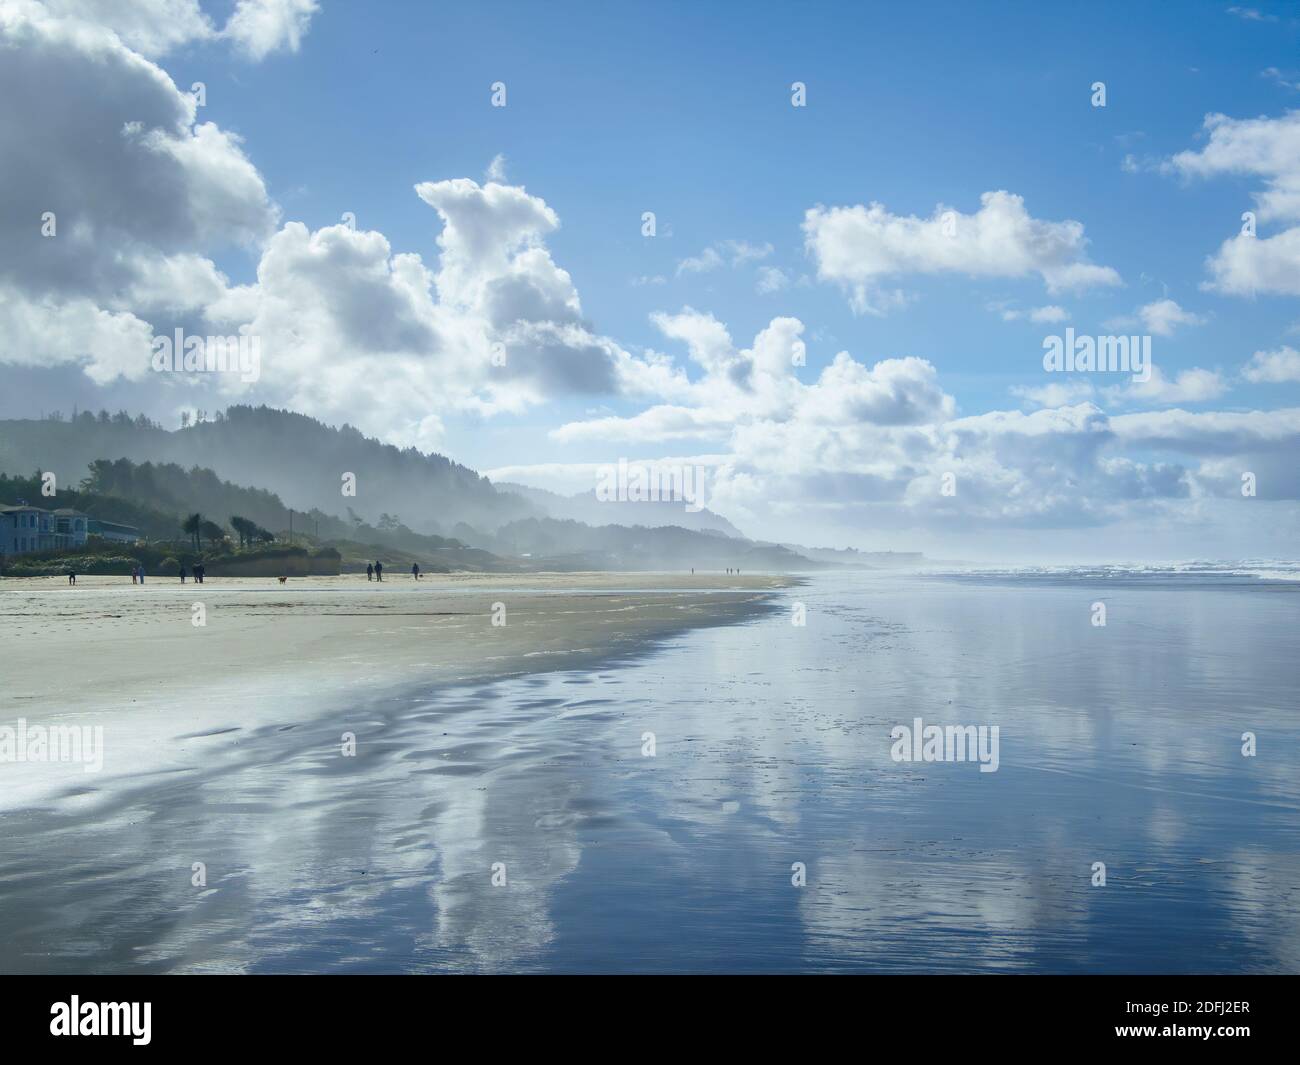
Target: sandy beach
{"type": "Point", "coordinates": [133, 658]}
{"type": "Point", "coordinates": [519, 823]}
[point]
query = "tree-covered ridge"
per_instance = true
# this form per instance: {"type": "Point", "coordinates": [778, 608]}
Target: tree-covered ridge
{"type": "Point", "coordinates": [430, 491]}
{"type": "Point", "coordinates": [169, 503]}
{"type": "Point", "coordinates": [296, 458]}
{"type": "Point", "coordinates": [152, 522]}
{"type": "Point", "coordinates": [169, 487]}
{"type": "Point", "coordinates": [405, 501]}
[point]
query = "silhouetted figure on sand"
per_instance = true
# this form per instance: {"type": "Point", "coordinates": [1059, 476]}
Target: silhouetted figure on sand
{"type": "Point", "coordinates": [182, 575]}
{"type": "Point", "coordinates": [379, 571]}
{"type": "Point", "coordinates": [370, 572]}
{"type": "Point", "coordinates": [415, 570]}
{"type": "Point", "coordinates": [72, 577]}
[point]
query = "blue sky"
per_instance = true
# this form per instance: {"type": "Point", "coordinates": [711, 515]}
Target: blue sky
{"type": "Point", "coordinates": [617, 109]}
{"type": "Point", "coordinates": [684, 110]}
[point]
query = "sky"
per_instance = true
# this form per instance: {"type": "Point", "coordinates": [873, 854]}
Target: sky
{"type": "Point", "coordinates": [433, 219]}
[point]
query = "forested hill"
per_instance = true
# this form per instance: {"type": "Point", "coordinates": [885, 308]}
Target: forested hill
{"type": "Point", "coordinates": [291, 455]}
{"type": "Point", "coordinates": [404, 499]}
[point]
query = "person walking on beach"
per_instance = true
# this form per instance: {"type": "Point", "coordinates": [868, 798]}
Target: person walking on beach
{"type": "Point", "coordinates": [135, 572]}
{"type": "Point", "coordinates": [415, 570]}
{"type": "Point", "coordinates": [141, 568]}
{"type": "Point", "coordinates": [72, 576]}
{"type": "Point", "coordinates": [370, 572]}
{"type": "Point", "coordinates": [198, 572]}
{"type": "Point", "coordinates": [379, 571]}
{"type": "Point", "coordinates": [182, 575]}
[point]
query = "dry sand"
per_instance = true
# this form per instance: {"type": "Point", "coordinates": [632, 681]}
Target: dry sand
{"type": "Point", "coordinates": [131, 658]}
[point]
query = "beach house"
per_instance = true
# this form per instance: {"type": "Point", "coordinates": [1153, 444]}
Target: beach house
{"type": "Point", "coordinates": [111, 530]}
{"type": "Point", "coordinates": [24, 528]}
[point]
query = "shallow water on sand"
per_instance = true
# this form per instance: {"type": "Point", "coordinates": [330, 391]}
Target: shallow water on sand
{"type": "Point", "coordinates": [1118, 744]}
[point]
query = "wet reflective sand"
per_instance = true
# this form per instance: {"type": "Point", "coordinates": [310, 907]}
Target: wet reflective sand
{"type": "Point", "coordinates": [771, 747]}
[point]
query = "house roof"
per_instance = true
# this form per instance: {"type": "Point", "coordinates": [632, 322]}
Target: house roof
{"type": "Point", "coordinates": [113, 525]}
{"type": "Point", "coordinates": [27, 509]}
{"type": "Point", "coordinates": [66, 512]}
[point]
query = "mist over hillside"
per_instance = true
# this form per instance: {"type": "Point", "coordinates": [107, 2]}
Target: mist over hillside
{"type": "Point", "coordinates": [621, 547]}
{"type": "Point", "coordinates": [586, 507]}
{"type": "Point", "coordinates": [298, 458]}
{"type": "Point", "coordinates": [264, 461]}
{"type": "Point", "coordinates": [302, 461]}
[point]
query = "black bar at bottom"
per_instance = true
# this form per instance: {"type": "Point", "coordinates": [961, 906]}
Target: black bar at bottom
{"type": "Point", "coordinates": [339, 1013]}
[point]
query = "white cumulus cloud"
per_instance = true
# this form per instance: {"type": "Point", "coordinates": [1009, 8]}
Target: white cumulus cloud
{"type": "Point", "coordinates": [861, 247]}
{"type": "Point", "coordinates": [1273, 367]}
{"type": "Point", "coordinates": [1268, 149]}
